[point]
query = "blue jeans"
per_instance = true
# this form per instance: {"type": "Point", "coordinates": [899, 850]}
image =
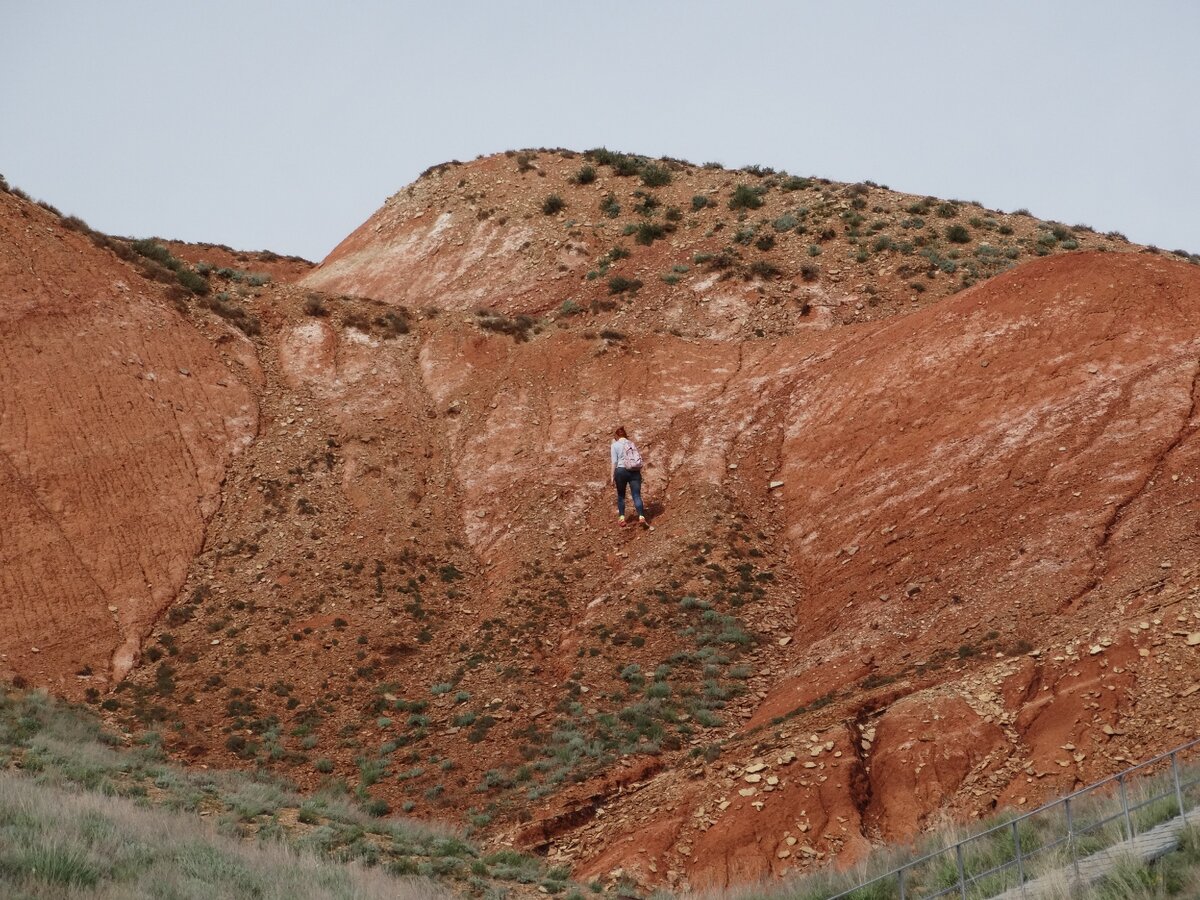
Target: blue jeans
{"type": "Point", "coordinates": [633, 478]}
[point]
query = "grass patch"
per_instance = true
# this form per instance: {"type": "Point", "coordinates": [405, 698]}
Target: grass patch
{"type": "Point", "coordinates": [78, 819]}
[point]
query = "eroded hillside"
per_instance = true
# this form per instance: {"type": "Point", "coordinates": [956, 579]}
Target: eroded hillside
{"type": "Point", "coordinates": [914, 552]}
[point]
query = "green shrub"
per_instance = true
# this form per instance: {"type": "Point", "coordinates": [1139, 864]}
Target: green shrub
{"type": "Point", "coordinates": [760, 268]}
{"type": "Point", "coordinates": [627, 166]}
{"type": "Point", "coordinates": [958, 234]}
{"type": "Point", "coordinates": [765, 242]}
{"type": "Point", "coordinates": [609, 206]}
{"type": "Point", "coordinates": [699, 201]}
{"type": "Point", "coordinates": [621, 285]}
{"type": "Point", "coordinates": [647, 233]}
{"type": "Point", "coordinates": [794, 183]}
{"type": "Point", "coordinates": [746, 197]}
{"type": "Point", "coordinates": [553, 204]}
{"type": "Point", "coordinates": [585, 175]}
{"type": "Point", "coordinates": [655, 176]}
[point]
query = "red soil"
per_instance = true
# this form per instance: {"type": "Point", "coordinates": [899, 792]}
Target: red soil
{"type": "Point", "coordinates": [975, 584]}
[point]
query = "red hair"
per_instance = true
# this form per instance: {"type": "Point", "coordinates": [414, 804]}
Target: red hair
{"type": "Point", "coordinates": [620, 432]}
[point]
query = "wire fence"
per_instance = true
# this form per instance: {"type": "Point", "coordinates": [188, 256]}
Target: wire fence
{"type": "Point", "coordinates": [1057, 836]}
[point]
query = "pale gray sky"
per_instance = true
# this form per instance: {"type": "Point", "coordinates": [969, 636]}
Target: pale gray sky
{"type": "Point", "coordinates": [273, 125]}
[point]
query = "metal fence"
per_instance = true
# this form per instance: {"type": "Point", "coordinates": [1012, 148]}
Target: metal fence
{"type": "Point", "coordinates": [1056, 836]}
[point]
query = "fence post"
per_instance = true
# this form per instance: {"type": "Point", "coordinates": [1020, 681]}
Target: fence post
{"type": "Point", "coordinates": [1020, 859]}
{"type": "Point", "coordinates": [1071, 836]}
{"type": "Point", "coordinates": [903, 893]}
{"type": "Point", "coordinates": [1178, 786]}
{"type": "Point", "coordinates": [962, 875]}
{"type": "Point", "coordinates": [1125, 805]}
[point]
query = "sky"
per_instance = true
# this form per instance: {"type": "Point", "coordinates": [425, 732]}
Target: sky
{"type": "Point", "coordinates": [283, 126]}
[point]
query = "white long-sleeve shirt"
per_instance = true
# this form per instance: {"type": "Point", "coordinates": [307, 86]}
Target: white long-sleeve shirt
{"type": "Point", "coordinates": [618, 450]}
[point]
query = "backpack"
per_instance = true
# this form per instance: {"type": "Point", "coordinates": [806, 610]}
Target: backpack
{"type": "Point", "coordinates": [630, 458]}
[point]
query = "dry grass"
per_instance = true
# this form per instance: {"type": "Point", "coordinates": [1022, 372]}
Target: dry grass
{"type": "Point", "coordinates": [82, 816]}
{"type": "Point", "coordinates": [57, 843]}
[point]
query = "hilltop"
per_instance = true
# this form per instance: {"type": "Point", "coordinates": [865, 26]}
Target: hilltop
{"type": "Point", "coordinates": [698, 250]}
{"type": "Point", "coordinates": [917, 551]}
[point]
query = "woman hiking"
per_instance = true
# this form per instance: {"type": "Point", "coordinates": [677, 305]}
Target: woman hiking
{"type": "Point", "coordinates": [626, 470]}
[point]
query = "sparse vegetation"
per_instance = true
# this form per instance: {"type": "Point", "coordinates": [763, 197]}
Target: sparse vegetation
{"type": "Point", "coordinates": [520, 327]}
{"type": "Point", "coordinates": [609, 206]}
{"type": "Point", "coordinates": [958, 234]}
{"type": "Point", "coordinates": [553, 204]}
{"type": "Point", "coordinates": [618, 284]}
{"type": "Point", "coordinates": [655, 175]}
{"type": "Point", "coordinates": [746, 197]}
{"type": "Point", "coordinates": [80, 816]}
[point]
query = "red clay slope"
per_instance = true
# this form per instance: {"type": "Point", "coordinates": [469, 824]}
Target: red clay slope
{"type": "Point", "coordinates": [985, 479]}
{"type": "Point", "coordinates": [117, 419]}
{"type": "Point", "coordinates": [1013, 469]}
{"type": "Point", "coordinates": [974, 583]}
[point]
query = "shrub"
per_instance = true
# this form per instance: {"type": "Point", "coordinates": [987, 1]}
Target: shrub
{"type": "Point", "coordinates": [569, 308]}
{"type": "Point", "coordinates": [315, 306]}
{"type": "Point", "coordinates": [610, 334]}
{"type": "Point", "coordinates": [647, 233]}
{"type": "Point", "coordinates": [760, 268]}
{"type": "Point", "coordinates": [947, 210]}
{"type": "Point", "coordinates": [625, 165]}
{"type": "Point", "coordinates": [519, 327]}
{"type": "Point", "coordinates": [553, 204]}
{"type": "Point", "coordinates": [814, 250]}
{"type": "Point", "coordinates": [958, 234]}
{"type": "Point", "coordinates": [809, 273]}
{"type": "Point", "coordinates": [746, 197]}
{"type": "Point", "coordinates": [794, 183]}
{"type": "Point", "coordinates": [610, 207]}
{"type": "Point", "coordinates": [655, 176]}
{"type": "Point", "coordinates": [192, 282]}
{"type": "Point", "coordinates": [221, 305]}
{"type": "Point", "coordinates": [699, 201]}
{"type": "Point", "coordinates": [786, 222]}
{"type": "Point", "coordinates": [765, 242]}
{"type": "Point", "coordinates": [393, 323]}
{"type": "Point", "coordinates": [621, 285]}
{"type": "Point", "coordinates": [585, 175]}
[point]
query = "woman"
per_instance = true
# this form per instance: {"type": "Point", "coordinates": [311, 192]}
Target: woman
{"type": "Point", "coordinates": [626, 470]}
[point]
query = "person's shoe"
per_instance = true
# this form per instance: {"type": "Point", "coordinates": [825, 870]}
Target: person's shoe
{"type": "Point", "coordinates": [642, 520]}
{"type": "Point", "coordinates": [621, 521]}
